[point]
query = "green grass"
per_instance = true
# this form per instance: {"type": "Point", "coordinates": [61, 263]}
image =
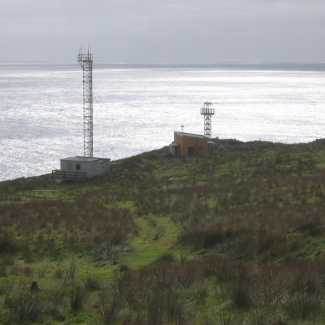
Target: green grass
{"type": "Point", "coordinates": [156, 237]}
{"type": "Point", "coordinates": [231, 238]}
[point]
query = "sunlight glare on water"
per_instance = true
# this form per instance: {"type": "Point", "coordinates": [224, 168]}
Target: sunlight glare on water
{"type": "Point", "coordinates": [138, 107]}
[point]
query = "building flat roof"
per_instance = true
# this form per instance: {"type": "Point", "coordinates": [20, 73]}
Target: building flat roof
{"type": "Point", "coordinates": [85, 159]}
{"type": "Point", "coordinates": [190, 135]}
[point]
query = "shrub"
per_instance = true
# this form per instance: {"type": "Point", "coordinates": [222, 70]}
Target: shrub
{"type": "Point", "coordinates": [302, 306]}
{"type": "Point", "coordinates": [3, 270]}
{"type": "Point", "coordinates": [91, 283]}
{"type": "Point", "coordinates": [166, 257]}
{"type": "Point", "coordinates": [108, 306]}
{"type": "Point", "coordinates": [7, 243]}
{"type": "Point", "coordinates": [240, 297]}
{"type": "Point", "coordinates": [54, 300]}
{"type": "Point", "coordinates": [70, 275]}
{"type": "Point", "coordinates": [59, 273]}
{"type": "Point", "coordinates": [24, 306]}
{"type": "Point", "coordinates": [77, 296]}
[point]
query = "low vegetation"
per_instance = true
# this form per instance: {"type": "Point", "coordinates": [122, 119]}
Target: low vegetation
{"type": "Point", "coordinates": [235, 237]}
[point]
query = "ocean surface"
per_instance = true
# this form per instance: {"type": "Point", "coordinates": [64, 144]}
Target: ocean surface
{"type": "Point", "coordinates": [137, 107]}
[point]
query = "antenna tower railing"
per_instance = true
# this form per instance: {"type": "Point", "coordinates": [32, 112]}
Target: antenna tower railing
{"type": "Point", "coordinates": [86, 62]}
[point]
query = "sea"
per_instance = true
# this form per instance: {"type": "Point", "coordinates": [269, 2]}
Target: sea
{"type": "Point", "coordinates": [137, 107]}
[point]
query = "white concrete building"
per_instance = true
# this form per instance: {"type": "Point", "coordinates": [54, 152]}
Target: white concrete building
{"type": "Point", "coordinates": [80, 168]}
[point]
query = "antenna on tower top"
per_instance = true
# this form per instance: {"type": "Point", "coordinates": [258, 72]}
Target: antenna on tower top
{"type": "Point", "coordinates": [207, 111]}
{"type": "Point", "coordinates": [86, 62]}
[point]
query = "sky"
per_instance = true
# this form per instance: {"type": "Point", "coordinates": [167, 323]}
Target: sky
{"type": "Point", "coordinates": [202, 31]}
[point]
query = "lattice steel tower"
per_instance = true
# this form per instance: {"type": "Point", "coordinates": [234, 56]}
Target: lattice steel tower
{"type": "Point", "coordinates": [207, 111]}
{"type": "Point", "coordinates": [86, 62]}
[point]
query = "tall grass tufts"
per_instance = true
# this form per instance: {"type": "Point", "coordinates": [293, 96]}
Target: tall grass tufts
{"type": "Point", "coordinates": [24, 306]}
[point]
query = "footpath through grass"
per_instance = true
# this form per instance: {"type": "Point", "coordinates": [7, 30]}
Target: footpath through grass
{"type": "Point", "coordinates": [156, 237]}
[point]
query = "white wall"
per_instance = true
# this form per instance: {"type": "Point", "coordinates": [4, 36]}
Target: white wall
{"type": "Point", "coordinates": [90, 168]}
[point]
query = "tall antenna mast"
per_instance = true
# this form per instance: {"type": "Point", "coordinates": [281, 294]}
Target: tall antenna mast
{"type": "Point", "coordinates": [207, 111]}
{"type": "Point", "coordinates": [86, 62]}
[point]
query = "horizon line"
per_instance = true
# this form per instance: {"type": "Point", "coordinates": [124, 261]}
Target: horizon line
{"type": "Point", "coordinates": [174, 62]}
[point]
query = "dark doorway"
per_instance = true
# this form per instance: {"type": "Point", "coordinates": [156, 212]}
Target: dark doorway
{"type": "Point", "coordinates": [190, 151]}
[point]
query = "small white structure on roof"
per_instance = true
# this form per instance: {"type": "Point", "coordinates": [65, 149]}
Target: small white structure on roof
{"type": "Point", "coordinates": [80, 168]}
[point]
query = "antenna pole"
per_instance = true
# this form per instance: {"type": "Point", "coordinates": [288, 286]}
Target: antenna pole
{"type": "Point", "coordinates": [86, 62]}
{"type": "Point", "coordinates": [207, 111]}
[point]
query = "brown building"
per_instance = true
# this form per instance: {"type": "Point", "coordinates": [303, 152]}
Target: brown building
{"type": "Point", "coordinates": [187, 144]}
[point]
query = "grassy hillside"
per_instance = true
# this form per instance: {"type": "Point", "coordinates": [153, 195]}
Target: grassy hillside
{"type": "Point", "coordinates": [231, 238]}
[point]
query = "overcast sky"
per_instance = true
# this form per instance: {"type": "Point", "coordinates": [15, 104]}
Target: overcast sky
{"type": "Point", "coordinates": [163, 30]}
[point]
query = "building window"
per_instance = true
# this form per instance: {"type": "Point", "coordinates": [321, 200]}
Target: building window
{"type": "Point", "coordinates": [78, 167]}
{"type": "Point", "coordinates": [200, 148]}
{"type": "Point", "coordinates": [69, 166]}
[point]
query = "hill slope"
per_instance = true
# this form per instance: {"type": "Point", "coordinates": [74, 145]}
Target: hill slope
{"type": "Point", "coordinates": [231, 238]}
